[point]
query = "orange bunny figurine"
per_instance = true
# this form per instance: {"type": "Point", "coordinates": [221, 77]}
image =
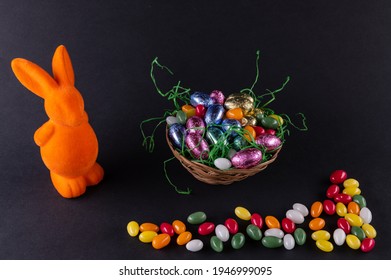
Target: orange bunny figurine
{"type": "Point", "coordinates": [69, 147]}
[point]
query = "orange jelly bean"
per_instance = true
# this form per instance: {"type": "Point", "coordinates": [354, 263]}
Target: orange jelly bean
{"type": "Point", "coordinates": [316, 209]}
{"type": "Point", "coordinates": [236, 113]}
{"type": "Point", "coordinates": [161, 241]}
{"type": "Point", "coordinates": [353, 208]}
{"type": "Point", "coordinates": [317, 224]}
{"type": "Point", "coordinates": [178, 226]}
{"type": "Point", "coordinates": [189, 110]}
{"type": "Point", "coordinates": [249, 131]}
{"type": "Point", "coordinates": [149, 227]}
{"type": "Point", "coordinates": [272, 222]}
{"type": "Point", "coordinates": [184, 238]}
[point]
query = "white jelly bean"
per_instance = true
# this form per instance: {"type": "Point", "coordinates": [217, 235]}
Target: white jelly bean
{"type": "Point", "coordinates": [274, 232]}
{"type": "Point", "coordinates": [171, 120]}
{"type": "Point", "coordinates": [231, 153]}
{"type": "Point", "coordinates": [301, 208]}
{"type": "Point", "coordinates": [222, 163]}
{"type": "Point", "coordinates": [289, 241]}
{"type": "Point", "coordinates": [366, 215]}
{"type": "Point", "coordinates": [339, 236]}
{"type": "Point", "coordinates": [194, 245]}
{"type": "Point", "coordinates": [295, 216]}
{"type": "Point", "coordinates": [222, 232]}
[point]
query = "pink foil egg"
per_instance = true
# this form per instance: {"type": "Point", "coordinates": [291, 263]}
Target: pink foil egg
{"type": "Point", "coordinates": [270, 142]}
{"type": "Point", "coordinates": [217, 97]}
{"type": "Point", "coordinates": [195, 125]}
{"type": "Point", "coordinates": [246, 158]}
{"type": "Point", "coordinates": [197, 145]}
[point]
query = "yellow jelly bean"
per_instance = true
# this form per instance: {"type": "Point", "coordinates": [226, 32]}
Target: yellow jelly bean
{"type": "Point", "coordinates": [184, 238]}
{"type": "Point", "coordinates": [317, 224]}
{"type": "Point", "coordinates": [352, 191]}
{"type": "Point", "coordinates": [320, 235]}
{"type": "Point", "coordinates": [161, 241]}
{"type": "Point", "coordinates": [369, 230]}
{"type": "Point", "coordinates": [341, 209]}
{"type": "Point", "coordinates": [278, 118]}
{"type": "Point", "coordinates": [133, 228]}
{"type": "Point", "coordinates": [351, 183]}
{"type": "Point", "coordinates": [178, 226]}
{"type": "Point", "coordinates": [324, 245]}
{"type": "Point", "coordinates": [249, 133]}
{"type": "Point", "coordinates": [354, 220]}
{"type": "Point", "coordinates": [272, 222]}
{"type": "Point", "coordinates": [189, 110]}
{"type": "Point", "coordinates": [149, 227]}
{"type": "Point", "coordinates": [242, 213]}
{"type": "Point", "coordinates": [235, 113]}
{"type": "Point", "coordinates": [147, 236]}
{"type": "Point", "coordinates": [353, 208]}
{"type": "Point", "coordinates": [353, 241]}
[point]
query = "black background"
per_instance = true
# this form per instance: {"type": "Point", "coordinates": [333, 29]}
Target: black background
{"type": "Point", "coordinates": [337, 54]}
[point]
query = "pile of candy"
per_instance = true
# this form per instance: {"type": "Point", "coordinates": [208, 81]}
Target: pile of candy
{"type": "Point", "coordinates": [354, 226]}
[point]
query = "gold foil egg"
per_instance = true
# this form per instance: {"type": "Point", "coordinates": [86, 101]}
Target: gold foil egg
{"type": "Point", "coordinates": [240, 100]}
{"type": "Point", "coordinates": [251, 120]}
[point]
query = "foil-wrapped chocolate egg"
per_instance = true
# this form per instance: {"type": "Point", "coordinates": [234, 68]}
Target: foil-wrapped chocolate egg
{"type": "Point", "coordinates": [217, 97]}
{"type": "Point", "coordinates": [270, 142]}
{"type": "Point", "coordinates": [214, 135]}
{"type": "Point", "coordinates": [230, 125]}
{"type": "Point", "coordinates": [214, 114]}
{"type": "Point", "coordinates": [240, 100]}
{"type": "Point", "coordinates": [251, 120]}
{"type": "Point", "coordinates": [239, 142]}
{"type": "Point", "coordinates": [176, 132]}
{"type": "Point", "coordinates": [200, 98]}
{"type": "Point", "coordinates": [195, 124]}
{"type": "Point", "coordinates": [246, 158]}
{"type": "Point", "coordinates": [197, 145]}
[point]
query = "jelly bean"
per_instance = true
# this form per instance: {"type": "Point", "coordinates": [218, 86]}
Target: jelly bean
{"type": "Point", "coordinates": [259, 116]}
{"type": "Point", "coordinates": [278, 119]}
{"type": "Point", "coordinates": [339, 237]}
{"type": "Point", "coordinates": [167, 228]}
{"type": "Point", "coordinates": [366, 215]}
{"type": "Point", "coordinates": [200, 110]}
{"type": "Point", "coordinates": [181, 117]}
{"type": "Point", "coordinates": [214, 114]}
{"type": "Point", "coordinates": [184, 238]}
{"type": "Point", "coordinates": [272, 222]}
{"type": "Point", "coordinates": [353, 208]}
{"type": "Point", "coordinates": [344, 225]}
{"type": "Point", "coordinates": [320, 235]}
{"type": "Point", "coordinates": [196, 218]}
{"type": "Point", "coordinates": [149, 227]}
{"type": "Point", "coordinates": [259, 130]}
{"type": "Point", "coordinates": [329, 207]}
{"type": "Point", "coordinates": [367, 245]}
{"type": "Point", "coordinates": [316, 209]}
{"type": "Point", "coordinates": [206, 228]}
{"type": "Point", "coordinates": [216, 244]}
{"type": "Point", "coordinates": [194, 245]}
{"type": "Point", "coordinates": [354, 220]}
{"type": "Point", "coordinates": [289, 241]}
{"type": "Point", "coordinates": [254, 232]}
{"type": "Point", "coordinates": [301, 208]}
{"type": "Point", "coordinates": [317, 224]}
{"type": "Point", "coordinates": [269, 122]}
{"type": "Point", "coordinates": [332, 191]}
{"type": "Point", "coordinates": [359, 232]}
{"type": "Point", "coordinates": [324, 245]}
{"type": "Point", "coordinates": [295, 216]}
{"type": "Point", "coordinates": [235, 113]}
{"type": "Point", "coordinates": [353, 241]}
{"type": "Point", "coordinates": [133, 228]}
{"type": "Point", "coordinates": [344, 198]}
{"type": "Point", "coordinates": [369, 230]}
{"type": "Point", "coordinates": [249, 133]}
{"type": "Point", "coordinates": [351, 183]}
{"type": "Point", "coordinates": [242, 213]}
{"type": "Point", "coordinates": [300, 236]}
{"type": "Point", "coordinates": [161, 240]}
{"type": "Point", "coordinates": [147, 236]}
{"type": "Point", "coordinates": [238, 240]}
{"type": "Point", "coordinates": [231, 153]}
{"type": "Point", "coordinates": [270, 131]}
{"type": "Point", "coordinates": [189, 110]}
{"type": "Point", "coordinates": [170, 120]}
{"type": "Point", "coordinates": [256, 220]}
{"type": "Point", "coordinates": [274, 232]}
{"type": "Point", "coordinates": [352, 191]}
{"type": "Point", "coordinates": [178, 226]}
{"type": "Point", "coordinates": [360, 200]}
{"type": "Point", "coordinates": [287, 225]}
{"type": "Point", "coordinates": [222, 163]}
{"type": "Point", "coordinates": [200, 98]}
{"type": "Point", "coordinates": [222, 232]}
{"type": "Point", "coordinates": [338, 176]}
{"type": "Point", "coordinates": [341, 209]}
{"type": "Point", "coordinates": [232, 225]}
{"type": "Point", "coordinates": [272, 242]}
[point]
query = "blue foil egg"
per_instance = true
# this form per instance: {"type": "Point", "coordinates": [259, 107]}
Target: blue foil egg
{"type": "Point", "coordinates": [214, 114]}
{"type": "Point", "coordinates": [230, 124]}
{"type": "Point", "coordinates": [200, 98]}
{"type": "Point", "coordinates": [214, 135]}
{"type": "Point", "coordinates": [176, 133]}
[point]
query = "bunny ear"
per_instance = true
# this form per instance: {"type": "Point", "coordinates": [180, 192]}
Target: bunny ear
{"type": "Point", "coordinates": [62, 66]}
{"type": "Point", "coordinates": [33, 77]}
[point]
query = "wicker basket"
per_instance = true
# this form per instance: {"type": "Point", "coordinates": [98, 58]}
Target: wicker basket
{"type": "Point", "coordinates": [213, 176]}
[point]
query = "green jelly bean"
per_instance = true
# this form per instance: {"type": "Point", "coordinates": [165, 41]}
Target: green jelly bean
{"type": "Point", "coordinates": [259, 117]}
{"type": "Point", "coordinates": [216, 244]}
{"type": "Point", "coordinates": [300, 236]}
{"type": "Point", "coordinates": [196, 218]}
{"type": "Point", "coordinates": [254, 232]}
{"type": "Point", "coordinates": [181, 116]}
{"type": "Point", "coordinates": [272, 242]}
{"type": "Point", "coordinates": [360, 200]}
{"type": "Point", "coordinates": [269, 122]}
{"type": "Point", "coordinates": [238, 240]}
{"type": "Point", "coordinates": [358, 231]}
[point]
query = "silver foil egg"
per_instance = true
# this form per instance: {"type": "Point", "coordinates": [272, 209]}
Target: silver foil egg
{"type": "Point", "coordinates": [200, 98]}
{"type": "Point", "coordinates": [214, 114]}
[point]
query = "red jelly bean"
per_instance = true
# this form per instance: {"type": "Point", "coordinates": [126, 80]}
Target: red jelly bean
{"type": "Point", "coordinates": [367, 244]}
{"type": "Point", "coordinates": [232, 225]}
{"type": "Point", "coordinates": [259, 130]}
{"type": "Point", "coordinates": [167, 228]}
{"type": "Point", "coordinates": [344, 198]}
{"type": "Point", "coordinates": [256, 220]}
{"type": "Point", "coordinates": [200, 111]}
{"type": "Point", "coordinates": [206, 228]}
{"type": "Point", "coordinates": [329, 207]}
{"type": "Point", "coordinates": [338, 176]}
{"type": "Point", "coordinates": [287, 225]}
{"type": "Point", "coordinates": [344, 225]}
{"type": "Point", "coordinates": [332, 191]}
{"type": "Point", "coordinates": [270, 131]}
